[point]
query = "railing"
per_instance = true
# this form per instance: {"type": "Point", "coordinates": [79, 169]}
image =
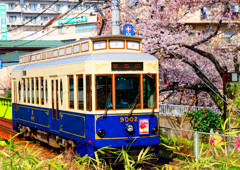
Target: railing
{"type": "Point", "coordinates": [179, 110]}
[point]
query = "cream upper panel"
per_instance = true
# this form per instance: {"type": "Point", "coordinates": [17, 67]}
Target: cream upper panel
{"type": "Point", "coordinates": [107, 44]}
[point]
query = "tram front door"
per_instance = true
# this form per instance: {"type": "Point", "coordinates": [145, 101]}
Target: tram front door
{"type": "Point", "coordinates": [54, 123]}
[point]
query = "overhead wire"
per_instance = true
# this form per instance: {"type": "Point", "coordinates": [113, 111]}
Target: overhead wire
{"type": "Point", "coordinates": [32, 18]}
{"type": "Point", "coordinates": [55, 28]}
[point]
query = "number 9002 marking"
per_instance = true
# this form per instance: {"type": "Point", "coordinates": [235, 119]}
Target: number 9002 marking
{"type": "Point", "coordinates": [128, 119]}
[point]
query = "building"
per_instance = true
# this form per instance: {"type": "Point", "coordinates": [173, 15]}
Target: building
{"type": "Point", "coordinates": [30, 19]}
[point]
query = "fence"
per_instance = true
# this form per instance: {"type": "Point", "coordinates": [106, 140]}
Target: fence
{"type": "Point", "coordinates": [193, 141]}
{"type": "Point", "coordinates": [179, 110]}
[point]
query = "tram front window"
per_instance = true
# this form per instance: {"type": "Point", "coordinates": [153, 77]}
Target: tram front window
{"type": "Point", "coordinates": [127, 91]}
{"type": "Point", "coordinates": [149, 91]}
{"type": "Point", "coordinates": [104, 92]}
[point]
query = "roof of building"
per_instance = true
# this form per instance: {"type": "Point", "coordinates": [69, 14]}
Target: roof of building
{"type": "Point", "coordinates": [12, 57]}
{"type": "Point", "coordinates": [30, 43]}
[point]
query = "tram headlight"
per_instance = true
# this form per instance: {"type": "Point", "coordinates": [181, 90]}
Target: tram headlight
{"type": "Point", "coordinates": [129, 128]}
{"type": "Point", "coordinates": [154, 130]}
{"type": "Point", "coordinates": [101, 133]}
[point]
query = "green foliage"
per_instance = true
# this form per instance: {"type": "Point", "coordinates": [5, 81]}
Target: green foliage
{"type": "Point", "coordinates": [209, 120]}
{"type": "Point", "coordinates": [8, 93]}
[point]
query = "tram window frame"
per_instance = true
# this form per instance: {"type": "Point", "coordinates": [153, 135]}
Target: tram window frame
{"type": "Point", "coordinates": [70, 105]}
{"type": "Point", "coordinates": [69, 52]}
{"type": "Point", "coordinates": [83, 47]}
{"type": "Point", "coordinates": [128, 45]}
{"type": "Point", "coordinates": [19, 90]}
{"type": "Point", "coordinates": [29, 58]}
{"type": "Point", "coordinates": [49, 54]}
{"type": "Point", "coordinates": [55, 53]}
{"type": "Point", "coordinates": [44, 56]}
{"type": "Point", "coordinates": [78, 91]}
{"type": "Point", "coordinates": [115, 40]}
{"type": "Point", "coordinates": [28, 90]}
{"type": "Point", "coordinates": [62, 52]}
{"type": "Point", "coordinates": [33, 57]}
{"type": "Point", "coordinates": [155, 75]}
{"type": "Point", "coordinates": [102, 91]}
{"type": "Point", "coordinates": [46, 90]}
{"type": "Point", "coordinates": [32, 94]}
{"type": "Point", "coordinates": [38, 57]}
{"type": "Point", "coordinates": [37, 90]}
{"type": "Point", "coordinates": [20, 60]}
{"type": "Point", "coordinates": [41, 91]}
{"type": "Point", "coordinates": [89, 92]}
{"type": "Point", "coordinates": [101, 42]}
{"type": "Point", "coordinates": [24, 90]}
{"type": "Point", "coordinates": [75, 49]}
{"type": "Point", "coordinates": [61, 91]}
{"type": "Point", "coordinates": [140, 92]}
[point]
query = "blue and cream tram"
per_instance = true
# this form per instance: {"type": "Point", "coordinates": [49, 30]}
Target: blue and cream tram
{"type": "Point", "coordinates": [101, 91]}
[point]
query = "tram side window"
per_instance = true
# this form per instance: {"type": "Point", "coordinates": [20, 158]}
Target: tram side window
{"type": "Point", "coordinates": [28, 90]}
{"type": "Point", "coordinates": [104, 92]}
{"type": "Point", "coordinates": [80, 92]}
{"type": "Point", "coordinates": [127, 91]}
{"type": "Point", "coordinates": [24, 90]}
{"type": "Point", "coordinates": [149, 91]}
{"type": "Point", "coordinates": [71, 92]}
{"type": "Point", "coordinates": [19, 90]}
{"type": "Point", "coordinates": [88, 93]}
{"type": "Point", "coordinates": [41, 90]}
{"type": "Point", "coordinates": [61, 91]}
{"type": "Point", "coordinates": [37, 89]}
{"type": "Point", "coordinates": [46, 90]}
{"type": "Point", "coordinates": [33, 86]}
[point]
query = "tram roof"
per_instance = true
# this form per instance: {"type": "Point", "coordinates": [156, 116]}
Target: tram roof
{"type": "Point", "coordinates": [89, 57]}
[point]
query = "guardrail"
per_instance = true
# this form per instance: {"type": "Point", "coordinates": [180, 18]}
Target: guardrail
{"type": "Point", "coordinates": [179, 110]}
{"type": "Point", "coordinates": [6, 107]}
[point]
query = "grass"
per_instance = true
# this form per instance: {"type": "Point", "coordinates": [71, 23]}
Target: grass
{"type": "Point", "coordinates": [19, 155]}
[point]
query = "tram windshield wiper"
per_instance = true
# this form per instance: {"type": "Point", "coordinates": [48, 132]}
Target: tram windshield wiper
{"type": "Point", "coordinates": [134, 104]}
{"type": "Point", "coordinates": [107, 105]}
{"type": "Point", "coordinates": [154, 99]}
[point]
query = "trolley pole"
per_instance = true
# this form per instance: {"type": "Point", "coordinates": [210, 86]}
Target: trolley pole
{"type": "Point", "coordinates": [115, 17]}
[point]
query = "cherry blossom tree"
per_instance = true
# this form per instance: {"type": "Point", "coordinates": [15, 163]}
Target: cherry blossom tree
{"type": "Point", "coordinates": [195, 65]}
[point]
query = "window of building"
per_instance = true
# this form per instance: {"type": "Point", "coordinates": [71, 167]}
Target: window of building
{"type": "Point", "coordinates": [149, 91]}
{"type": "Point", "coordinates": [80, 92]}
{"type": "Point", "coordinates": [230, 38]}
{"type": "Point", "coordinates": [33, 88]}
{"type": "Point", "coordinates": [42, 90]}
{"type": "Point", "coordinates": [44, 18]}
{"type": "Point", "coordinates": [86, 28]}
{"type": "Point", "coordinates": [60, 30]}
{"type": "Point", "coordinates": [33, 7]}
{"type": "Point", "coordinates": [104, 92]}
{"type": "Point", "coordinates": [88, 93]}
{"type": "Point", "coordinates": [12, 19]}
{"type": "Point", "coordinates": [31, 19]}
{"type": "Point", "coordinates": [71, 92]}
{"type": "Point", "coordinates": [43, 6]}
{"type": "Point", "coordinates": [11, 6]}
{"type": "Point", "coordinates": [37, 90]}
{"type": "Point", "coordinates": [59, 7]}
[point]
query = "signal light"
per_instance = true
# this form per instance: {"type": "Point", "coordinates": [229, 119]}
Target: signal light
{"type": "Point", "coordinates": [154, 130]}
{"type": "Point", "coordinates": [101, 133]}
{"type": "Point", "coordinates": [165, 81]}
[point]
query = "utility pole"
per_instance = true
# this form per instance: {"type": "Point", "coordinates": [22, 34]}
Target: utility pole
{"type": "Point", "coordinates": [115, 17]}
